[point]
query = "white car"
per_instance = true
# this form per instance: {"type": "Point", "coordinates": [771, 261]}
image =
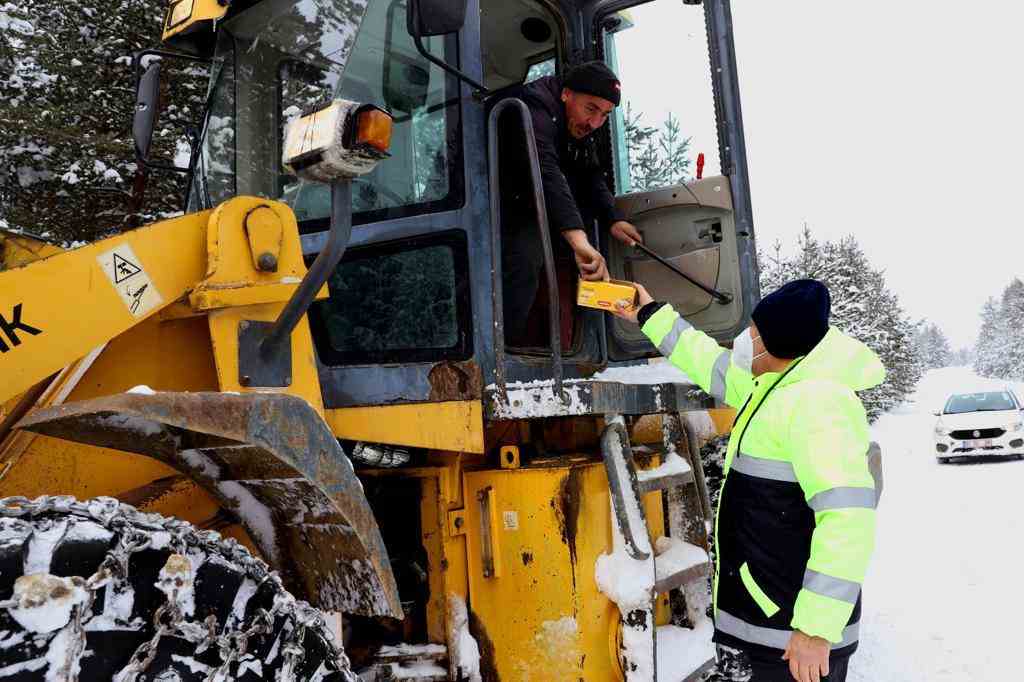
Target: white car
{"type": "Point", "coordinates": [986, 424]}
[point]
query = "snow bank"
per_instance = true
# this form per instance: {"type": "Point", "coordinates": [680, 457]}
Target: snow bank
{"type": "Point", "coordinates": [940, 598]}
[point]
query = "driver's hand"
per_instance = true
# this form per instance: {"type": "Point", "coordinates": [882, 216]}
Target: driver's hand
{"type": "Point", "coordinates": [588, 259]}
{"type": "Point", "coordinates": [626, 232]}
{"type": "Point", "coordinates": [590, 263]}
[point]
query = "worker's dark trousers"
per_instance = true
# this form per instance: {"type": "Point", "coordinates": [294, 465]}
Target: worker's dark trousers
{"type": "Point", "coordinates": [522, 260]}
{"type": "Point", "coordinates": [779, 672]}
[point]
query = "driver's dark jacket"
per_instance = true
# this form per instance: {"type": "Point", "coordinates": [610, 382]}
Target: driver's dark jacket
{"type": "Point", "coordinates": [575, 189]}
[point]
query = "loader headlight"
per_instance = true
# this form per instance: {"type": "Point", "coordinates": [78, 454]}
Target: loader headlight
{"type": "Point", "coordinates": [341, 140]}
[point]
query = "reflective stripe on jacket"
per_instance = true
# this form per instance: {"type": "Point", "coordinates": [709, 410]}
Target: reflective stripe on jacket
{"type": "Point", "coordinates": [796, 517]}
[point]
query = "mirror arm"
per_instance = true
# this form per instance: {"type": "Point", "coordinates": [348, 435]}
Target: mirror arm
{"type": "Point", "coordinates": [414, 5]}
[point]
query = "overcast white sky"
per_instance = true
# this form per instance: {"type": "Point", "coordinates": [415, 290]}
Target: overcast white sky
{"type": "Point", "coordinates": [896, 121]}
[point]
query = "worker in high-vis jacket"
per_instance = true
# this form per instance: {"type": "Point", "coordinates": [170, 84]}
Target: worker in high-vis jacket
{"type": "Point", "coordinates": [796, 516]}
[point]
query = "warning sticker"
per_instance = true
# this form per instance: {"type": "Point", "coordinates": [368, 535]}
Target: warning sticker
{"type": "Point", "coordinates": [511, 520]}
{"type": "Point", "coordinates": [125, 272]}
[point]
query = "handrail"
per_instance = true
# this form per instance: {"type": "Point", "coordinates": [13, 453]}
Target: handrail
{"type": "Point", "coordinates": [540, 208]}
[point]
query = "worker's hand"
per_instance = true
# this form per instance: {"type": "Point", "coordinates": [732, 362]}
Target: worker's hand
{"type": "Point", "coordinates": [588, 259]}
{"type": "Point", "coordinates": [627, 311]}
{"type": "Point", "coordinates": [626, 232]}
{"type": "Point", "coordinates": [642, 297]}
{"type": "Point", "coordinates": [807, 656]}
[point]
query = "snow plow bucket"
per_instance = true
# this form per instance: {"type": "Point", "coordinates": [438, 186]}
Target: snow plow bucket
{"type": "Point", "coordinates": [273, 461]}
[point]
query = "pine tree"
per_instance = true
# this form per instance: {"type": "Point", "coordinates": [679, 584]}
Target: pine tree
{"type": "Point", "coordinates": [67, 162]}
{"type": "Point", "coordinates": [657, 157]}
{"type": "Point", "coordinates": [1012, 313]}
{"type": "Point", "coordinates": [773, 267]}
{"type": "Point", "coordinates": [932, 346]}
{"type": "Point", "coordinates": [987, 360]}
{"type": "Point", "coordinates": [862, 306]}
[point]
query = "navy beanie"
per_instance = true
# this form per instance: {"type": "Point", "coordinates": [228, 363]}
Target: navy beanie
{"type": "Point", "coordinates": [793, 318]}
{"type": "Point", "coordinates": [594, 78]}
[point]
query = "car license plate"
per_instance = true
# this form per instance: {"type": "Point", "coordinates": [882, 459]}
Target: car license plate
{"type": "Point", "coordinates": [975, 444]}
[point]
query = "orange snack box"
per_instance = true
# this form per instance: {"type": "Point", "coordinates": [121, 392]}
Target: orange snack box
{"type": "Point", "coordinates": [603, 295]}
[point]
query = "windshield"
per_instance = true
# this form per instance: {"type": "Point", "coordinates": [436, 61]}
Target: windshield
{"type": "Point", "coordinates": [980, 402]}
{"type": "Point", "coordinates": [281, 58]}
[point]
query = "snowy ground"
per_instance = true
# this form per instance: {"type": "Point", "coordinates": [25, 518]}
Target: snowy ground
{"type": "Point", "coordinates": [943, 597]}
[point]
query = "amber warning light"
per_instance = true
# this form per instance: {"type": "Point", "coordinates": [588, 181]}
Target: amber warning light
{"type": "Point", "coordinates": [373, 128]}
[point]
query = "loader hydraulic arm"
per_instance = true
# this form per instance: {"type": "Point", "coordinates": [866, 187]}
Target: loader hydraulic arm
{"type": "Point", "coordinates": [56, 310]}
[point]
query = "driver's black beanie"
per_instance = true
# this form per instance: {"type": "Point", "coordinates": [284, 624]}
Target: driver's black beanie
{"type": "Point", "coordinates": [793, 318]}
{"type": "Point", "coordinates": [594, 78]}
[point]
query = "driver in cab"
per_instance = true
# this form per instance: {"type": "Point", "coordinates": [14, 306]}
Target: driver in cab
{"type": "Point", "coordinates": [565, 112]}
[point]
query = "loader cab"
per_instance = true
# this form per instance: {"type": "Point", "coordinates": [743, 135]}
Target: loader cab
{"type": "Point", "coordinates": [412, 307]}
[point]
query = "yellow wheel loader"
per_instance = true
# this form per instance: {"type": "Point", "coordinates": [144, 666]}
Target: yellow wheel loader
{"type": "Point", "coordinates": [283, 436]}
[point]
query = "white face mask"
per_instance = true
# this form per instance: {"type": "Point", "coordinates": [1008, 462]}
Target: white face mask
{"type": "Point", "coordinates": [743, 351]}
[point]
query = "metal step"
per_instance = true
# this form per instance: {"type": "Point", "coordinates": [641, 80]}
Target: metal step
{"type": "Point", "coordinates": [698, 674]}
{"type": "Point", "coordinates": [678, 563]}
{"type": "Point", "coordinates": [419, 662]}
{"type": "Point", "coordinates": [673, 472]}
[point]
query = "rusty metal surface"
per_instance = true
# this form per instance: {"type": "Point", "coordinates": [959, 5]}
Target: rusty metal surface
{"type": "Point", "coordinates": [455, 381]}
{"type": "Point", "coordinates": [272, 460]}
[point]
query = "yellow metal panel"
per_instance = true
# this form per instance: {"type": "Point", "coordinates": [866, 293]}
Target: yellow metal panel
{"type": "Point", "coordinates": [305, 381]}
{"type": "Point", "coordinates": [19, 249]}
{"type": "Point", "coordinates": [72, 303]}
{"type": "Point", "coordinates": [456, 425]}
{"type": "Point", "coordinates": [723, 418]}
{"type": "Point", "coordinates": [231, 278]}
{"type": "Point", "coordinates": [265, 231]}
{"type": "Point", "coordinates": [544, 618]}
{"type": "Point", "coordinates": [445, 545]}
{"type": "Point", "coordinates": [184, 16]}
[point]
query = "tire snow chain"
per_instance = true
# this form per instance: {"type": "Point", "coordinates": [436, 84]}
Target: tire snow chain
{"type": "Point", "coordinates": [122, 520]}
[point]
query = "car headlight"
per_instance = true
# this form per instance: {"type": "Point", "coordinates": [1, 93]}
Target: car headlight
{"type": "Point", "coordinates": [1015, 426]}
{"type": "Point", "coordinates": [940, 431]}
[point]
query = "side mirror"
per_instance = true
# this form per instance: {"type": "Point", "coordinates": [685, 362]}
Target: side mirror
{"type": "Point", "coordinates": [426, 18]}
{"type": "Point", "coordinates": [172, 152]}
{"type": "Point", "coordinates": [937, 414]}
{"type": "Point", "coordinates": [435, 17]}
{"type": "Point", "coordinates": [147, 107]}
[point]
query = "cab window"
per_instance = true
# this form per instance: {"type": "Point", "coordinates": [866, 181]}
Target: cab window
{"type": "Point", "coordinates": [667, 116]}
{"type": "Point", "coordinates": [386, 69]}
{"type": "Point", "coordinates": [404, 302]}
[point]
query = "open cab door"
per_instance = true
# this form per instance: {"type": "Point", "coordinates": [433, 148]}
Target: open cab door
{"type": "Point", "coordinates": [680, 168]}
{"type": "Point", "coordinates": [693, 227]}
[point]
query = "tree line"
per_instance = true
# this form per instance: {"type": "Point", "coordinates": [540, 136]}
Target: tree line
{"type": "Point", "coordinates": [998, 352]}
{"type": "Point", "coordinates": [67, 95]}
{"type": "Point", "coordinates": [863, 306]}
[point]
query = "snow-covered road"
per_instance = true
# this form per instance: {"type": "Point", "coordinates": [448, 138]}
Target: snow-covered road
{"type": "Point", "coordinates": [944, 596]}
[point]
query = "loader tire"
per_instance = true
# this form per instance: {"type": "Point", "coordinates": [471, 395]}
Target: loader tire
{"type": "Point", "coordinates": [97, 590]}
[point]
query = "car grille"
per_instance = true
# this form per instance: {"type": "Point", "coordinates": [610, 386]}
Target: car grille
{"type": "Point", "coordinates": [971, 434]}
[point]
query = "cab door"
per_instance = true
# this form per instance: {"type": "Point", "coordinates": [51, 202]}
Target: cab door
{"type": "Point", "coordinates": [676, 146]}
